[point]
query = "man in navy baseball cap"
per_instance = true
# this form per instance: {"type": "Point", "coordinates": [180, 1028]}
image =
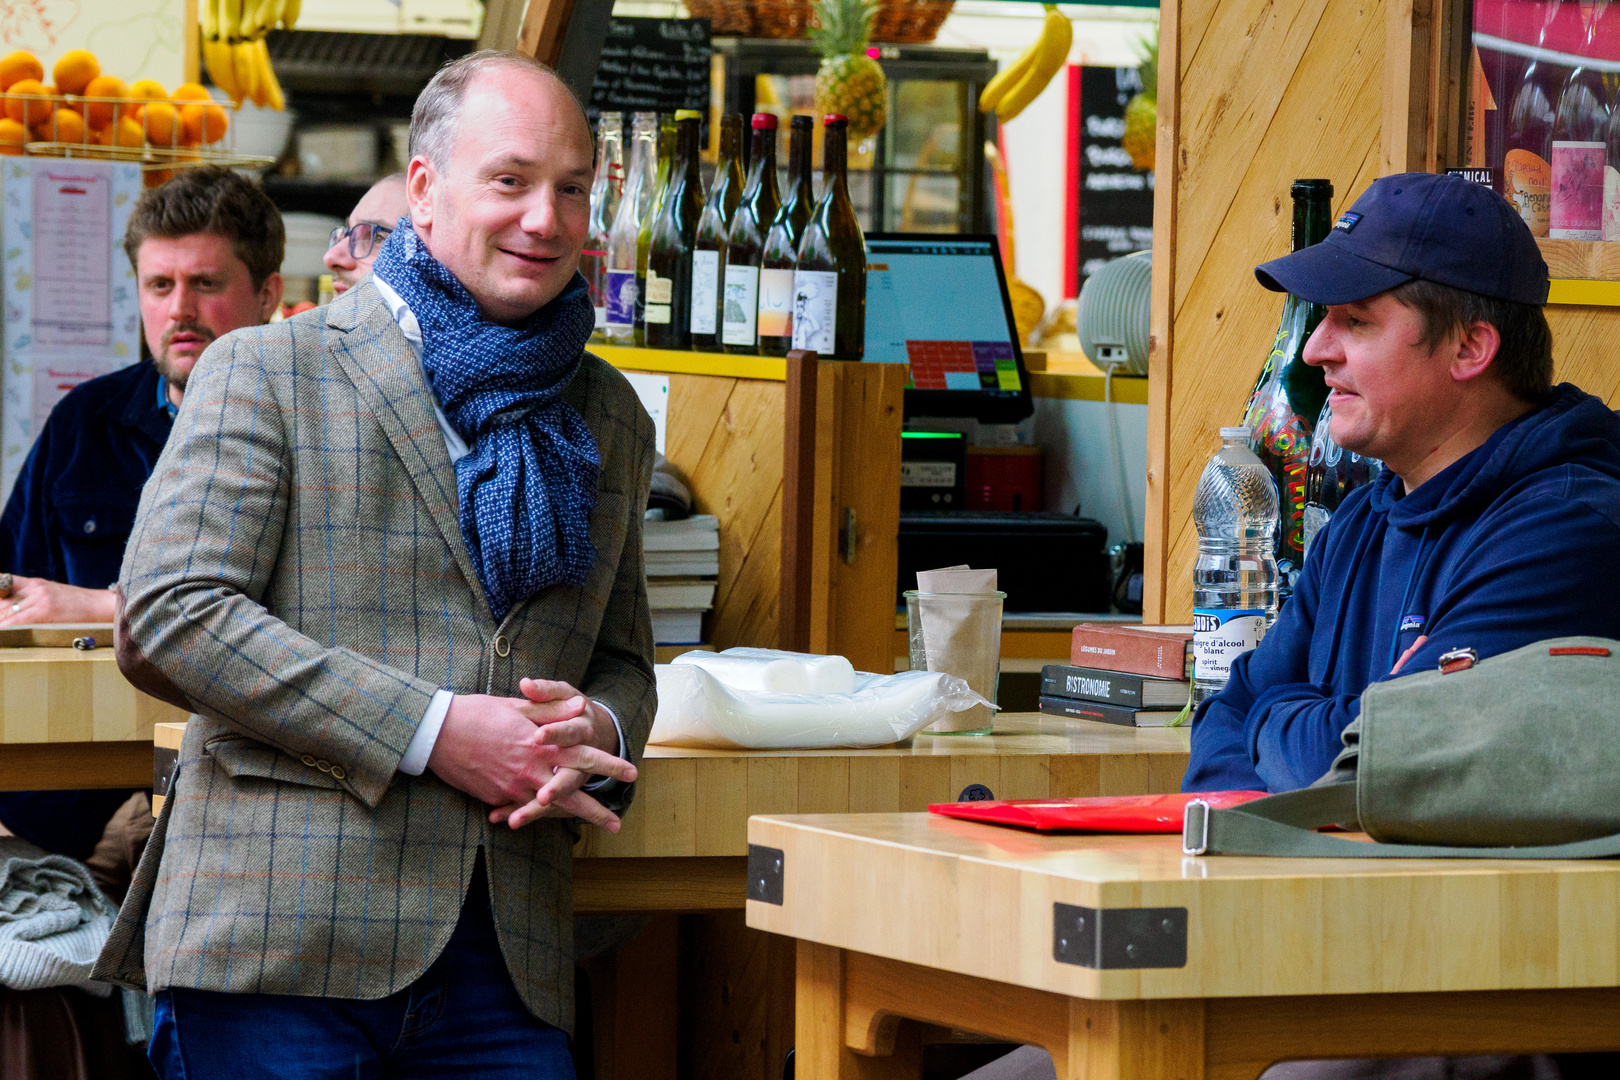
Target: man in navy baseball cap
{"type": "Point", "coordinates": [1496, 520]}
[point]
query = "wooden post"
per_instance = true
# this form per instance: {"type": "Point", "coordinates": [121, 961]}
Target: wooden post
{"type": "Point", "coordinates": [1425, 82]}
{"type": "Point", "coordinates": [798, 501]}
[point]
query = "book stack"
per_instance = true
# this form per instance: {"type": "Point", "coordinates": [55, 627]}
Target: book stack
{"type": "Point", "coordinates": [1139, 676]}
{"type": "Point", "coordinates": [683, 561]}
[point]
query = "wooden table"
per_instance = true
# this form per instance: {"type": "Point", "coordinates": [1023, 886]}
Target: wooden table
{"type": "Point", "coordinates": [68, 719]}
{"type": "Point", "coordinates": [1126, 959]}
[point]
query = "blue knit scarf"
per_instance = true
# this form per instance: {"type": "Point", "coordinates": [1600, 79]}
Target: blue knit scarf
{"type": "Point", "coordinates": [528, 487]}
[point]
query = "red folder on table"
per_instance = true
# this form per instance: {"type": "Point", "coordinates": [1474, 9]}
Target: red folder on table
{"type": "Point", "coordinates": [1103, 813]}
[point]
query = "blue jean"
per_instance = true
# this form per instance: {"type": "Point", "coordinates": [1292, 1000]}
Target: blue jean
{"type": "Point", "coordinates": [463, 1017]}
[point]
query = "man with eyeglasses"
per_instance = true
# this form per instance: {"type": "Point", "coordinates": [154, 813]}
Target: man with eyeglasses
{"type": "Point", "coordinates": [355, 245]}
{"type": "Point", "coordinates": [207, 247]}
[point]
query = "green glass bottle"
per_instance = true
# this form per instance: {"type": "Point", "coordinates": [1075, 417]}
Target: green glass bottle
{"type": "Point", "coordinates": [674, 236]}
{"type": "Point", "coordinates": [1289, 395]}
{"type": "Point", "coordinates": [709, 251]}
{"type": "Point", "coordinates": [782, 244]}
{"type": "Point", "coordinates": [829, 282]}
{"type": "Point", "coordinates": [666, 160]}
{"type": "Point", "coordinates": [745, 244]}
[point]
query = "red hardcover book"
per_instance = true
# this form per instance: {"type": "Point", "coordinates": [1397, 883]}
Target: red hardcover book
{"type": "Point", "coordinates": [1103, 813]}
{"type": "Point", "coordinates": [1161, 651]}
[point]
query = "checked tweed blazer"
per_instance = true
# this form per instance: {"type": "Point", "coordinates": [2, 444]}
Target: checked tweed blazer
{"type": "Point", "coordinates": [297, 578]}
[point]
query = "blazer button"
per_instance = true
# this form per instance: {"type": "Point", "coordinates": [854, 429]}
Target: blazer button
{"type": "Point", "coordinates": [324, 765]}
{"type": "Point", "coordinates": [338, 773]}
{"type": "Point", "coordinates": [502, 646]}
{"type": "Point", "coordinates": [308, 759]}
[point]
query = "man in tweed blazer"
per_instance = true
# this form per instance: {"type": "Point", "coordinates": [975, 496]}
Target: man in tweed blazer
{"type": "Point", "coordinates": [314, 902]}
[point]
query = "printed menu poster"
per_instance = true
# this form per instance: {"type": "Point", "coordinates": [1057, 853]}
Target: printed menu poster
{"type": "Point", "coordinates": [70, 306]}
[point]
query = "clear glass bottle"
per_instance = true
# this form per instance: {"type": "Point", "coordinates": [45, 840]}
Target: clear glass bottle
{"type": "Point", "coordinates": [1333, 473]}
{"type": "Point", "coordinates": [665, 163]}
{"type": "Point", "coordinates": [1235, 576]}
{"type": "Point", "coordinates": [1527, 141]}
{"type": "Point", "coordinates": [1580, 125]}
{"type": "Point", "coordinates": [621, 285]}
{"type": "Point", "coordinates": [606, 191]}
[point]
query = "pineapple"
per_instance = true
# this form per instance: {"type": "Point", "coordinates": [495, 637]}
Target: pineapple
{"type": "Point", "coordinates": [849, 82]}
{"type": "Point", "coordinates": [1142, 112]}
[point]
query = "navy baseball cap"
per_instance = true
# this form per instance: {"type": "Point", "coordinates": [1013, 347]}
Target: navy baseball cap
{"type": "Point", "coordinates": [1443, 229]}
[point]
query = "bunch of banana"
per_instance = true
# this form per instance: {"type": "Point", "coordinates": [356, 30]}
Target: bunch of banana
{"type": "Point", "coordinates": [1018, 84]}
{"type": "Point", "coordinates": [234, 50]}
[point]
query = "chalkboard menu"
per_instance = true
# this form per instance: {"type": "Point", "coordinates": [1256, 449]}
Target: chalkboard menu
{"type": "Point", "coordinates": [1116, 201]}
{"type": "Point", "coordinates": [652, 65]}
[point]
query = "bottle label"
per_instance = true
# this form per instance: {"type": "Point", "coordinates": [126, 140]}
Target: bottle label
{"type": "Point", "coordinates": [705, 290]}
{"type": "Point", "coordinates": [601, 317]}
{"type": "Point", "coordinates": [660, 290]}
{"type": "Point", "coordinates": [1220, 636]}
{"type": "Point", "coordinates": [1527, 182]}
{"type": "Point", "coordinates": [1611, 201]}
{"type": "Point", "coordinates": [815, 310]}
{"type": "Point", "coordinates": [776, 303]}
{"type": "Point", "coordinates": [658, 314]}
{"type": "Point", "coordinates": [1577, 191]}
{"type": "Point", "coordinates": [621, 298]}
{"type": "Point", "coordinates": [741, 305]}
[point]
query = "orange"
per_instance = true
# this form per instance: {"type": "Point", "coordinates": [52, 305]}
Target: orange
{"type": "Point", "coordinates": [66, 126]}
{"type": "Point", "coordinates": [157, 177]}
{"type": "Point", "coordinates": [148, 90]}
{"type": "Point", "coordinates": [127, 132]}
{"type": "Point", "coordinates": [162, 123]}
{"type": "Point", "coordinates": [20, 65]}
{"type": "Point", "coordinates": [27, 110]}
{"type": "Point", "coordinates": [100, 136]}
{"type": "Point", "coordinates": [203, 123]}
{"type": "Point", "coordinates": [12, 136]}
{"type": "Point", "coordinates": [103, 113]}
{"type": "Point", "coordinates": [192, 92]}
{"type": "Point", "coordinates": [75, 70]}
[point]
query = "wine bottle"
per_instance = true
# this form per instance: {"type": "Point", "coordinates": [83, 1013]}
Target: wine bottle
{"type": "Point", "coordinates": [606, 191]}
{"type": "Point", "coordinates": [1580, 125]}
{"type": "Point", "coordinates": [709, 252]}
{"type": "Point", "coordinates": [1289, 395]}
{"type": "Point", "coordinates": [661, 179]}
{"type": "Point", "coordinates": [829, 282]}
{"type": "Point", "coordinates": [633, 205]}
{"type": "Point", "coordinates": [745, 243]}
{"type": "Point", "coordinates": [674, 233]}
{"type": "Point", "coordinates": [1526, 172]}
{"type": "Point", "coordinates": [782, 244]}
{"type": "Point", "coordinates": [1332, 473]}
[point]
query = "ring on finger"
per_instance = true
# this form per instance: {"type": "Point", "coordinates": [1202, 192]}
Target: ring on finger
{"type": "Point", "coordinates": [16, 608]}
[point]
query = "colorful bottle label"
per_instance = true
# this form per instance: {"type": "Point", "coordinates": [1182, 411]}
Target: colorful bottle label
{"type": "Point", "coordinates": [705, 290]}
{"type": "Point", "coordinates": [1220, 636]}
{"type": "Point", "coordinates": [775, 303]}
{"type": "Point", "coordinates": [1611, 201]}
{"type": "Point", "coordinates": [741, 306]}
{"type": "Point", "coordinates": [1527, 183]}
{"type": "Point", "coordinates": [621, 298]}
{"type": "Point", "coordinates": [815, 310]}
{"type": "Point", "coordinates": [1577, 191]}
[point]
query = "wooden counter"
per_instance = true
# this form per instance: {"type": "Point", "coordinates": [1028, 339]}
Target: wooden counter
{"type": "Point", "coordinates": [68, 719]}
{"type": "Point", "coordinates": [1240, 962]}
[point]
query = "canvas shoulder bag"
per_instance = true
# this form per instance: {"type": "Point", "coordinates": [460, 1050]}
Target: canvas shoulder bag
{"type": "Point", "coordinates": [1514, 757]}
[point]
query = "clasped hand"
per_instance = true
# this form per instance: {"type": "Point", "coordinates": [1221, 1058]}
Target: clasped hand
{"type": "Point", "coordinates": [530, 757]}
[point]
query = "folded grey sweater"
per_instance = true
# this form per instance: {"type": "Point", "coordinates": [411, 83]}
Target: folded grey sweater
{"type": "Point", "coordinates": [53, 919]}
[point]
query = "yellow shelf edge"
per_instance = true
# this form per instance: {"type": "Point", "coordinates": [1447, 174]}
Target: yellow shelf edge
{"type": "Point", "coordinates": [630, 358]}
{"type": "Point", "coordinates": [1127, 389]}
{"type": "Point", "coordinates": [1584, 292]}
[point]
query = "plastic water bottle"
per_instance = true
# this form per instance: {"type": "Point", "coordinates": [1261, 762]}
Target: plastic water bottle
{"type": "Point", "coordinates": [1235, 578]}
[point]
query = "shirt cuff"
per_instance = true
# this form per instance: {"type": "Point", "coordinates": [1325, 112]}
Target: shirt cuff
{"type": "Point", "coordinates": [415, 761]}
{"type": "Point", "coordinates": [595, 784]}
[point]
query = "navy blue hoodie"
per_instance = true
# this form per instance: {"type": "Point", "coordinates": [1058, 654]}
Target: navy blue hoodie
{"type": "Point", "coordinates": [1516, 542]}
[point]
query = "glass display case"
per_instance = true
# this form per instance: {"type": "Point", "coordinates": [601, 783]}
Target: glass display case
{"type": "Point", "coordinates": [925, 170]}
{"type": "Point", "coordinates": [1543, 112]}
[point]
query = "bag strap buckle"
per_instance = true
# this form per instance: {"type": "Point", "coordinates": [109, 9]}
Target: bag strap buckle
{"type": "Point", "coordinates": [1195, 828]}
{"type": "Point", "coordinates": [1457, 660]}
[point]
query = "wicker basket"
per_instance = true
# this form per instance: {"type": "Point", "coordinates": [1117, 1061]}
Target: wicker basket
{"type": "Point", "coordinates": [898, 22]}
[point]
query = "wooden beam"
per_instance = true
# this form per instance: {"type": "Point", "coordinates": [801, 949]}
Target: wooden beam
{"type": "Point", "coordinates": [503, 20]}
{"type": "Point", "coordinates": [541, 35]}
{"type": "Point", "coordinates": [798, 501]}
{"type": "Point", "coordinates": [1425, 83]}
{"type": "Point", "coordinates": [65, 765]}
{"type": "Point", "coordinates": [1161, 319]}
